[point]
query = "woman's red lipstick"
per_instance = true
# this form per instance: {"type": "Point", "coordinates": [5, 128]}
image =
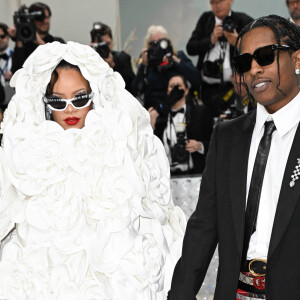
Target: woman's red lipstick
{"type": "Point", "coordinates": [72, 120]}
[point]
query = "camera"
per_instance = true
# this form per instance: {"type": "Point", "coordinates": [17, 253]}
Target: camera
{"type": "Point", "coordinates": [156, 52]}
{"type": "Point", "coordinates": [178, 152]}
{"type": "Point", "coordinates": [23, 18]}
{"type": "Point", "coordinates": [229, 24]}
{"type": "Point", "coordinates": [213, 69]}
{"type": "Point", "coordinates": [98, 44]}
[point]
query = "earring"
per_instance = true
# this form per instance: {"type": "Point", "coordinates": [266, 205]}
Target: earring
{"type": "Point", "coordinates": [297, 71]}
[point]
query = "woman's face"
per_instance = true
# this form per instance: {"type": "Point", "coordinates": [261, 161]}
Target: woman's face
{"type": "Point", "coordinates": [177, 80]}
{"type": "Point", "coordinates": [262, 81]}
{"type": "Point", "coordinates": [69, 84]}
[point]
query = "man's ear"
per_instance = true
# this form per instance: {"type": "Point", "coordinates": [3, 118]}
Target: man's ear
{"type": "Point", "coordinates": [296, 59]}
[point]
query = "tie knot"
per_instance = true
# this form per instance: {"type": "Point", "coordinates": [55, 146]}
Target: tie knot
{"type": "Point", "coordinates": [269, 128]}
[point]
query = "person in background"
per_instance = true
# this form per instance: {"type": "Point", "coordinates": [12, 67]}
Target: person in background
{"type": "Point", "coordinates": [160, 62]}
{"type": "Point", "coordinates": [213, 42]}
{"type": "Point", "coordinates": [120, 61]}
{"type": "Point", "coordinates": [294, 10]}
{"type": "Point", "coordinates": [186, 130]}
{"type": "Point", "coordinates": [6, 54]}
{"type": "Point", "coordinates": [42, 25]}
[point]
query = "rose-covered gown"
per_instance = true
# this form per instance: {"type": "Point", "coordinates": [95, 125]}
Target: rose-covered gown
{"type": "Point", "coordinates": [84, 213]}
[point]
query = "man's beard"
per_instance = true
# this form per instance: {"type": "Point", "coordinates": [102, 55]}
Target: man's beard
{"type": "Point", "coordinates": [295, 15]}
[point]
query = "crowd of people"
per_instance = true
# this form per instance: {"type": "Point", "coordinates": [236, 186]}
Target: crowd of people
{"type": "Point", "coordinates": [212, 40]}
{"type": "Point", "coordinates": [85, 204]}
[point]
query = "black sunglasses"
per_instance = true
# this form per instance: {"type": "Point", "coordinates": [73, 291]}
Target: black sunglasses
{"type": "Point", "coordinates": [264, 56]}
{"type": "Point", "coordinates": [2, 36]}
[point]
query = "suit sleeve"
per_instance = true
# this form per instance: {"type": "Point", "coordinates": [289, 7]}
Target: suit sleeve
{"type": "Point", "coordinates": [188, 70]}
{"type": "Point", "coordinates": [201, 235]}
{"type": "Point", "coordinates": [199, 42]}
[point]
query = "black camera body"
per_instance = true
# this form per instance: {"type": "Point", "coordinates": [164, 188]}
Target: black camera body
{"type": "Point", "coordinates": [156, 52]}
{"type": "Point", "coordinates": [213, 69]}
{"type": "Point", "coordinates": [26, 31]}
{"type": "Point", "coordinates": [229, 24]}
{"type": "Point", "coordinates": [98, 44]}
{"type": "Point", "coordinates": [179, 154]}
{"type": "Point", "coordinates": [101, 48]}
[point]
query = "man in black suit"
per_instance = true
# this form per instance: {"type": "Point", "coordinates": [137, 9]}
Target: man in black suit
{"type": "Point", "coordinates": [249, 196]}
{"type": "Point", "coordinates": [120, 61]}
{"type": "Point", "coordinates": [184, 127]}
{"type": "Point", "coordinates": [42, 25]}
{"type": "Point", "coordinates": [213, 41]}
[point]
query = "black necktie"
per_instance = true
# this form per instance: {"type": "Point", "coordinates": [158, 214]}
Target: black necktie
{"type": "Point", "coordinates": [175, 112]}
{"type": "Point", "coordinates": [256, 185]}
{"type": "Point", "coordinates": [4, 56]}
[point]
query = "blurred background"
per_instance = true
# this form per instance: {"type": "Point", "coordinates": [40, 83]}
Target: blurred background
{"type": "Point", "coordinates": [129, 19]}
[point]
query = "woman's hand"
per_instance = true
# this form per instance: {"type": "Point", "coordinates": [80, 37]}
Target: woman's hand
{"type": "Point", "coordinates": [144, 56]}
{"type": "Point", "coordinates": [193, 146]}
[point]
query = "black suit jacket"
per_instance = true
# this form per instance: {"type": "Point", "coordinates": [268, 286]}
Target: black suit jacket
{"type": "Point", "coordinates": [123, 66]}
{"type": "Point", "coordinates": [199, 127]}
{"type": "Point", "coordinates": [219, 219]}
{"type": "Point", "coordinates": [199, 43]}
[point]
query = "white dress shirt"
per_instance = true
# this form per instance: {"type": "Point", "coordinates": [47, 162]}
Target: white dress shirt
{"type": "Point", "coordinates": [214, 54]}
{"type": "Point", "coordinates": [286, 121]}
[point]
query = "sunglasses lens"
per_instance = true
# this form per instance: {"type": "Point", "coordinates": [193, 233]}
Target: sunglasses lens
{"type": "Point", "coordinates": [57, 104]}
{"type": "Point", "coordinates": [78, 103]}
{"type": "Point", "coordinates": [264, 56]}
{"type": "Point", "coordinates": [2, 36]}
{"type": "Point", "coordinates": [242, 63]}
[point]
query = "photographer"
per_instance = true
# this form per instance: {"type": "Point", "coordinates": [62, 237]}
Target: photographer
{"type": "Point", "coordinates": [120, 61]}
{"type": "Point", "coordinates": [32, 30]}
{"type": "Point", "coordinates": [159, 62]}
{"type": "Point", "coordinates": [185, 131]}
{"type": "Point", "coordinates": [213, 41]}
{"type": "Point", "coordinates": [6, 55]}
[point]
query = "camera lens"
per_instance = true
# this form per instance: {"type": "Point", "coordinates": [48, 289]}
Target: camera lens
{"type": "Point", "coordinates": [26, 32]}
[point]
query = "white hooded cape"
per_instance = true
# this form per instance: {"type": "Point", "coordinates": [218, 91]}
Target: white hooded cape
{"type": "Point", "coordinates": [88, 212]}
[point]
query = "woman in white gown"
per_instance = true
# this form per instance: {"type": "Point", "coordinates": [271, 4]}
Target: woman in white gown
{"type": "Point", "coordinates": [85, 213]}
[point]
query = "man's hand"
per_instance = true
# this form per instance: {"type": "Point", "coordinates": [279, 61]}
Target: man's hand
{"type": "Point", "coordinates": [39, 40]}
{"type": "Point", "coordinates": [144, 56]}
{"type": "Point", "coordinates": [110, 60]}
{"type": "Point", "coordinates": [153, 116]}
{"type": "Point", "coordinates": [217, 33]}
{"type": "Point", "coordinates": [231, 36]}
{"type": "Point", "coordinates": [193, 146]}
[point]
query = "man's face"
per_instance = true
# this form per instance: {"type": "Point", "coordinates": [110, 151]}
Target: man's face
{"type": "Point", "coordinates": [4, 38]}
{"type": "Point", "coordinates": [294, 9]}
{"type": "Point", "coordinates": [263, 81]}
{"type": "Point", "coordinates": [221, 8]}
{"type": "Point", "coordinates": [107, 39]}
{"type": "Point", "coordinates": [43, 27]}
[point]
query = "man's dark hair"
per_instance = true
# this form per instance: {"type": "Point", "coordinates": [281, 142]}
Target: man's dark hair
{"type": "Point", "coordinates": [284, 31]}
{"type": "Point", "coordinates": [4, 27]}
{"type": "Point", "coordinates": [103, 30]}
{"type": "Point", "coordinates": [38, 6]}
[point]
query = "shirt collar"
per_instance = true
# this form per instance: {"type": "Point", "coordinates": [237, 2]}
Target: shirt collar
{"type": "Point", "coordinates": [285, 118]}
{"type": "Point", "coordinates": [218, 21]}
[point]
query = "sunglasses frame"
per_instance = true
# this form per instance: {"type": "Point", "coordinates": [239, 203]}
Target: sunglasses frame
{"type": "Point", "coordinates": [89, 96]}
{"type": "Point", "coordinates": [2, 36]}
{"type": "Point", "coordinates": [236, 59]}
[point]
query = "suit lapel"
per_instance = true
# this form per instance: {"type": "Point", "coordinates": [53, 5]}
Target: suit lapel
{"type": "Point", "coordinates": [288, 196]}
{"type": "Point", "coordinates": [238, 175]}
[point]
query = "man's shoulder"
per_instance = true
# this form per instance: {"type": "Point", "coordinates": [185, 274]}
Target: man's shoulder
{"type": "Point", "coordinates": [239, 122]}
{"type": "Point", "coordinates": [241, 16]}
